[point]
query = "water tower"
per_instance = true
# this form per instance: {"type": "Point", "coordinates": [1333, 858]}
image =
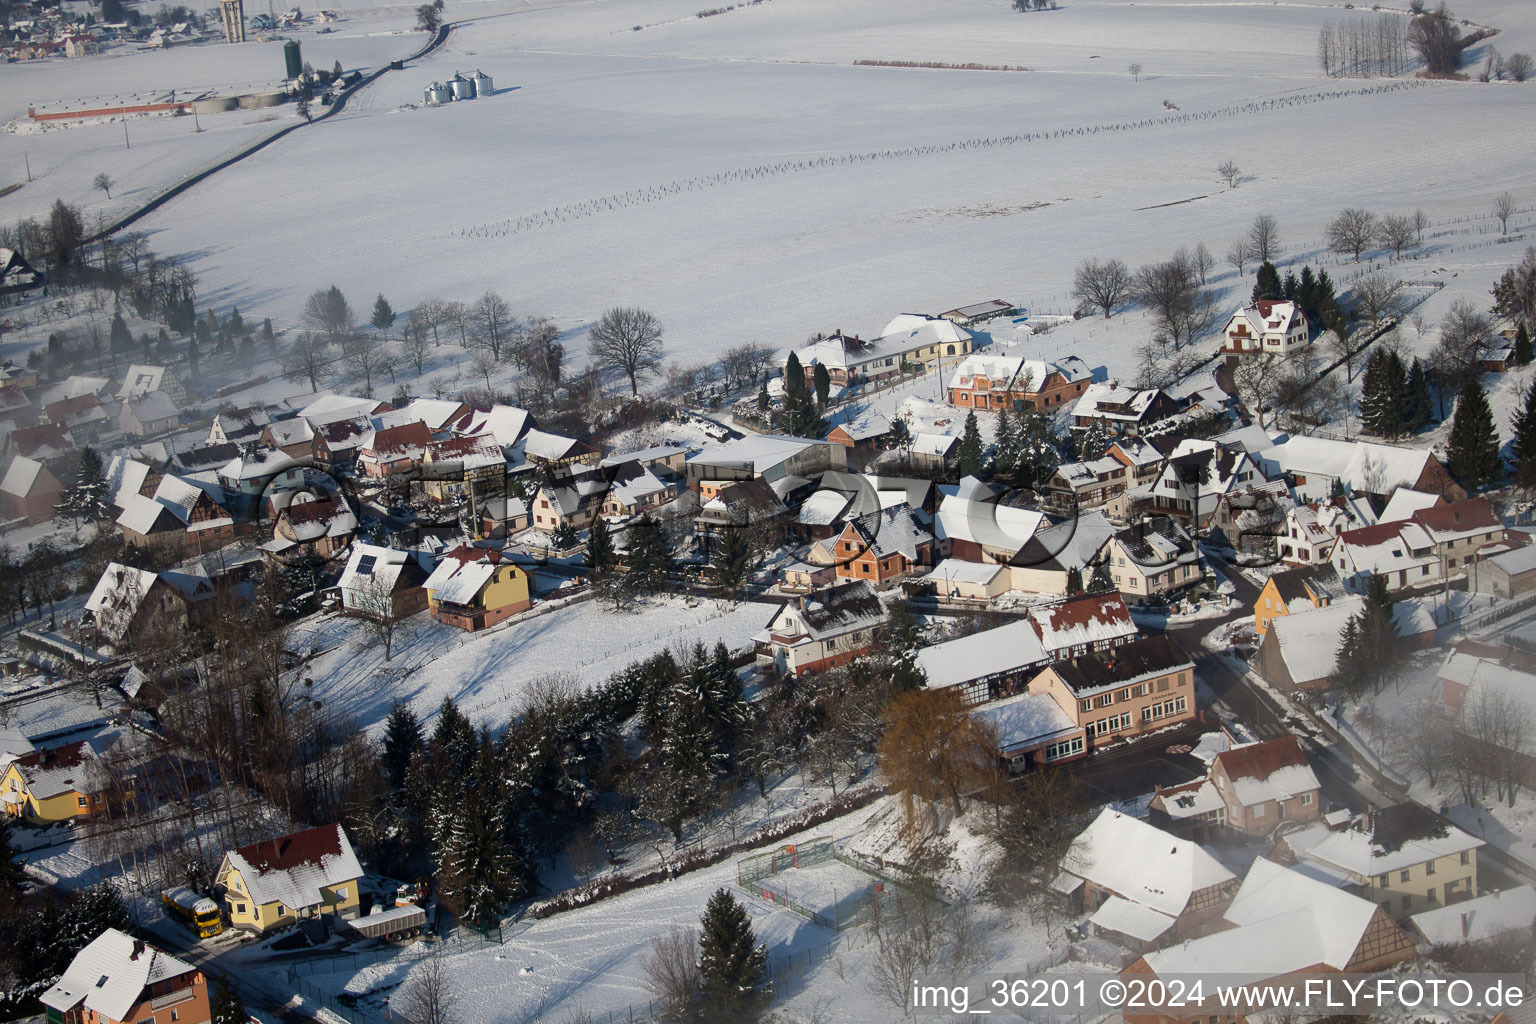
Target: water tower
{"type": "Point", "coordinates": [294, 64]}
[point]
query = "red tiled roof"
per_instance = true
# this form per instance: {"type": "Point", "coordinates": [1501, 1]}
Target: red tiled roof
{"type": "Point", "coordinates": [1472, 514]}
{"type": "Point", "coordinates": [403, 438]}
{"type": "Point", "coordinates": [1087, 610]}
{"type": "Point", "coordinates": [288, 852]}
{"type": "Point", "coordinates": [1370, 536]}
{"type": "Point", "coordinates": [1260, 760]}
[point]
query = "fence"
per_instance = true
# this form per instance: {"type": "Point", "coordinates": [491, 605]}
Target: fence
{"type": "Point", "coordinates": [879, 899]}
{"type": "Point", "coordinates": [1497, 612]}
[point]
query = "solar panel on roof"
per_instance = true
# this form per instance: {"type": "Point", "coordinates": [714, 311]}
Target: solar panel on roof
{"type": "Point", "coordinates": [365, 565]}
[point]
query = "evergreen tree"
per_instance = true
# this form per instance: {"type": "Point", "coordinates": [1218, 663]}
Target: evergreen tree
{"type": "Point", "coordinates": [1101, 579]}
{"type": "Point", "coordinates": [207, 327]}
{"type": "Point", "coordinates": [1522, 441]}
{"type": "Point", "coordinates": [383, 314]}
{"type": "Point", "coordinates": [1370, 650]}
{"type": "Point", "coordinates": [650, 556]}
{"type": "Point", "coordinates": [823, 383]}
{"type": "Point", "coordinates": [1267, 284]}
{"type": "Point", "coordinates": [402, 742]}
{"type": "Point", "coordinates": [733, 965]}
{"type": "Point", "coordinates": [11, 875]}
{"type": "Point", "coordinates": [1306, 290]}
{"type": "Point", "coordinates": [1291, 288]}
{"type": "Point", "coordinates": [1383, 391]}
{"type": "Point", "coordinates": [1349, 671]}
{"type": "Point", "coordinates": [1005, 447]}
{"type": "Point", "coordinates": [600, 556]}
{"type": "Point", "coordinates": [1523, 352]}
{"type": "Point", "coordinates": [763, 401]}
{"type": "Point", "coordinates": [192, 357]}
{"type": "Point", "coordinates": [564, 537]}
{"type": "Point", "coordinates": [900, 435]}
{"type": "Point", "coordinates": [1093, 440]}
{"type": "Point", "coordinates": [88, 498]}
{"type": "Point", "coordinates": [227, 1007]}
{"type": "Point", "coordinates": [91, 912]}
{"type": "Point", "coordinates": [1326, 302]}
{"type": "Point", "coordinates": [120, 337]}
{"type": "Point", "coordinates": [1418, 406]}
{"type": "Point", "coordinates": [183, 318]}
{"type": "Point", "coordinates": [801, 418]}
{"type": "Point", "coordinates": [454, 744]}
{"type": "Point", "coordinates": [1074, 580]}
{"type": "Point", "coordinates": [733, 561]}
{"type": "Point", "coordinates": [478, 872]}
{"type": "Point", "coordinates": [971, 456]}
{"type": "Point", "coordinates": [1038, 452]}
{"type": "Point", "coordinates": [266, 331]}
{"type": "Point", "coordinates": [1473, 451]}
{"type": "Point", "coordinates": [235, 325]}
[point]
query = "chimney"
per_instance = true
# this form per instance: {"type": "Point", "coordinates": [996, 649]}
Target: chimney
{"type": "Point", "coordinates": [138, 948]}
{"type": "Point", "coordinates": [1465, 923]}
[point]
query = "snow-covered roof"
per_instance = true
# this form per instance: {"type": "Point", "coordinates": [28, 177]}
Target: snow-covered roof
{"type": "Point", "coordinates": [836, 611]}
{"type": "Point", "coordinates": [1141, 862]}
{"type": "Point", "coordinates": [1474, 920]}
{"type": "Point", "coordinates": [1405, 501]}
{"type": "Point", "coordinates": [1309, 640]}
{"type": "Point", "coordinates": [293, 869]}
{"type": "Point", "coordinates": [21, 475]}
{"type": "Point", "coordinates": [255, 465]}
{"type": "Point", "coordinates": [328, 408]}
{"type": "Point", "coordinates": [1085, 620]}
{"type": "Point", "coordinates": [435, 413]}
{"type": "Point", "coordinates": [370, 562]}
{"type": "Point", "coordinates": [285, 433]}
{"type": "Point", "coordinates": [1015, 373]}
{"type": "Point", "coordinates": [917, 330]}
{"type": "Point", "coordinates": [1191, 800]}
{"type": "Point", "coordinates": [1001, 527]}
{"type": "Point", "coordinates": [891, 531]}
{"type": "Point", "coordinates": [549, 447]}
{"type": "Point", "coordinates": [757, 452]}
{"type": "Point", "coordinates": [1277, 945]}
{"type": "Point", "coordinates": [110, 975]}
{"type": "Point", "coordinates": [1107, 400]}
{"type": "Point", "coordinates": [141, 380]}
{"type": "Point", "coordinates": [1518, 561]}
{"type": "Point", "coordinates": [1068, 545]}
{"type": "Point", "coordinates": [1276, 769]}
{"type": "Point", "coordinates": [153, 407]}
{"type": "Point", "coordinates": [958, 570]}
{"type": "Point", "coordinates": [1390, 839]}
{"type": "Point", "coordinates": [823, 508]}
{"type": "Point", "coordinates": [1366, 466]}
{"type": "Point", "coordinates": [507, 423]}
{"type": "Point", "coordinates": [1025, 720]}
{"type": "Point", "coordinates": [992, 651]}
{"type": "Point", "coordinates": [930, 443]}
{"type": "Point", "coordinates": [139, 513]}
{"type": "Point", "coordinates": [1270, 316]}
{"type": "Point", "coordinates": [56, 771]}
{"type": "Point", "coordinates": [1270, 891]}
{"type": "Point", "coordinates": [457, 582]}
{"type": "Point", "coordinates": [1137, 920]}
{"type": "Point", "coordinates": [647, 456]}
{"type": "Point", "coordinates": [121, 587]}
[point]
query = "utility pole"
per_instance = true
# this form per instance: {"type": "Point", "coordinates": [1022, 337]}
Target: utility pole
{"type": "Point", "coordinates": [126, 143]}
{"type": "Point", "coordinates": [28, 158]}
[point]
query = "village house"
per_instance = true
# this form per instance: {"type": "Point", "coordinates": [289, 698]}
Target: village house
{"type": "Point", "coordinates": [570, 501]}
{"type": "Point", "coordinates": [635, 488]}
{"type": "Point", "coordinates": [508, 424]}
{"type": "Point", "coordinates": [182, 513]}
{"type": "Point", "coordinates": [82, 416]}
{"type": "Point", "coordinates": [1477, 682]}
{"type": "Point", "coordinates": [1031, 729]}
{"type": "Point", "coordinates": [390, 450]}
{"type": "Point", "coordinates": [336, 444]}
{"type": "Point", "coordinates": [1249, 790]}
{"type": "Point", "coordinates": [1276, 327]}
{"type": "Point", "coordinates": [137, 602]}
{"type": "Point", "coordinates": [986, 666]}
{"type": "Point", "coordinates": [47, 443]}
{"type": "Point", "coordinates": [464, 465]}
{"type": "Point", "coordinates": [1084, 624]}
{"type": "Point", "coordinates": [17, 275]}
{"type": "Point", "coordinates": [294, 437]}
{"type": "Point", "coordinates": [31, 491]}
{"type": "Point", "coordinates": [909, 340]}
{"type": "Point", "coordinates": [1299, 650]}
{"type": "Point", "coordinates": [1316, 465]}
{"type": "Point", "coordinates": [242, 425]}
{"type": "Point", "coordinates": [1014, 383]}
{"type": "Point", "coordinates": [541, 449]}
{"type": "Point", "coordinates": [312, 529]}
{"type": "Point", "coordinates": [819, 631]}
{"type": "Point", "coordinates": [148, 415]}
{"type": "Point", "coordinates": [1404, 858]}
{"type": "Point", "coordinates": [251, 473]}
{"type": "Point", "coordinates": [1251, 517]}
{"type": "Point", "coordinates": [1505, 575]}
{"type": "Point", "coordinates": [54, 784]}
{"type": "Point", "coordinates": [955, 579]}
{"type": "Point", "coordinates": [118, 979]}
{"type": "Point", "coordinates": [380, 582]}
{"type": "Point", "coordinates": [473, 588]}
{"type": "Point", "coordinates": [883, 546]}
{"type": "Point", "coordinates": [141, 380]}
{"type": "Point", "coordinates": [1425, 549]}
{"type": "Point", "coordinates": [1123, 692]}
{"type": "Point", "coordinates": [770, 457]}
{"type": "Point", "coordinates": [973, 525]}
{"type": "Point", "coordinates": [1481, 920]}
{"type": "Point", "coordinates": [1154, 557]}
{"type": "Point", "coordinates": [1046, 563]}
{"type": "Point", "coordinates": [931, 453]}
{"type": "Point", "coordinates": [279, 882]}
{"type": "Point", "coordinates": [1196, 476]}
{"type": "Point", "coordinates": [748, 503]}
{"type": "Point", "coordinates": [863, 438]}
{"type": "Point", "coordinates": [1295, 590]}
{"type": "Point", "coordinates": [1122, 410]}
{"type": "Point", "coordinates": [1280, 924]}
{"type": "Point", "coordinates": [1310, 529]}
{"type": "Point", "coordinates": [1143, 886]}
{"type": "Point", "coordinates": [438, 415]}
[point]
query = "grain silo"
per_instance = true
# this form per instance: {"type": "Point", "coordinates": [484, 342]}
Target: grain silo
{"type": "Point", "coordinates": [462, 88]}
{"type": "Point", "coordinates": [483, 84]}
{"type": "Point", "coordinates": [437, 94]}
{"type": "Point", "coordinates": [291, 59]}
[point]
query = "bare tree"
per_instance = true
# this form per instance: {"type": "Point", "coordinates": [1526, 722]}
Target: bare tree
{"type": "Point", "coordinates": [1352, 231]}
{"type": "Point", "coordinates": [1257, 379]}
{"type": "Point", "coordinates": [932, 752]}
{"type": "Point", "coordinates": [1103, 285]}
{"type": "Point", "coordinates": [374, 603]}
{"type": "Point", "coordinates": [1519, 66]}
{"type": "Point", "coordinates": [327, 310]}
{"type": "Point", "coordinates": [417, 346]}
{"type": "Point", "coordinates": [1135, 70]}
{"type": "Point", "coordinates": [1420, 222]}
{"type": "Point", "coordinates": [1204, 261]}
{"type": "Point", "coordinates": [134, 246]}
{"type": "Point", "coordinates": [1237, 255]}
{"type": "Point", "coordinates": [1464, 334]}
{"type": "Point", "coordinates": [671, 968]}
{"type": "Point", "coordinates": [628, 340]}
{"type": "Point", "coordinates": [1377, 296]}
{"type": "Point", "coordinates": [430, 996]}
{"type": "Point", "coordinates": [1437, 40]}
{"type": "Point", "coordinates": [585, 854]}
{"type": "Point", "coordinates": [367, 358]}
{"type": "Point", "coordinates": [1306, 397]}
{"type": "Point", "coordinates": [458, 315]}
{"type": "Point", "coordinates": [1397, 232]}
{"type": "Point", "coordinates": [1171, 289]}
{"type": "Point", "coordinates": [103, 183]}
{"type": "Point", "coordinates": [1504, 207]}
{"type": "Point", "coordinates": [1423, 741]}
{"type": "Point", "coordinates": [1228, 171]}
{"type": "Point", "coordinates": [431, 314]}
{"type": "Point", "coordinates": [1264, 238]}
{"type": "Point", "coordinates": [484, 364]}
{"type": "Point", "coordinates": [493, 322]}
{"type": "Point", "coordinates": [308, 358]}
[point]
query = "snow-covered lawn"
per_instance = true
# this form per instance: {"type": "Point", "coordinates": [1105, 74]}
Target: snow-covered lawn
{"type": "Point", "coordinates": [487, 674]}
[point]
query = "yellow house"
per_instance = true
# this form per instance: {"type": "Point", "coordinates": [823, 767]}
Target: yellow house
{"type": "Point", "coordinates": [1296, 590]}
{"type": "Point", "coordinates": [473, 588]}
{"type": "Point", "coordinates": [278, 882]}
{"type": "Point", "coordinates": [53, 785]}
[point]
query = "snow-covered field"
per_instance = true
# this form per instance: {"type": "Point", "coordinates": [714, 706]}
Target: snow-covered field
{"type": "Point", "coordinates": [487, 674]}
{"type": "Point", "coordinates": [739, 177]}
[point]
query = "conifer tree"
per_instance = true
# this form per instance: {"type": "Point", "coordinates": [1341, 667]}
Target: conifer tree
{"type": "Point", "coordinates": [822, 380]}
{"type": "Point", "coordinates": [266, 331]}
{"type": "Point", "coordinates": [227, 1006]}
{"type": "Point", "coordinates": [1383, 388]}
{"type": "Point", "coordinates": [1522, 442]}
{"type": "Point", "coordinates": [120, 337]}
{"type": "Point", "coordinates": [1005, 447]}
{"type": "Point", "coordinates": [600, 555]}
{"type": "Point", "coordinates": [801, 418]}
{"type": "Point", "coordinates": [383, 314]}
{"type": "Point", "coordinates": [1093, 440]}
{"type": "Point", "coordinates": [402, 742]}
{"type": "Point", "coordinates": [1523, 353]}
{"type": "Point", "coordinates": [1306, 291]}
{"type": "Point", "coordinates": [900, 435]}
{"type": "Point", "coordinates": [650, 556]}
{"type": "Point", "coordinates": [1038, 454]}
{"type": "Point", "coordinates": [732, 963]}
{"type": "Point", "coordinates": [1101, 580]}
{"type": "Point", "coordinates": [1473, 450]}
{"type": "Point", "coordinates": [1074, 580]}
{"type": "Point", "coordinates": [733, 561]}
{"type": "Point", "coordinates": [763, 401]}
{"type": "Point", "coordinates": [454, 745]}
{"type": "Point", "coordinates": [1267, 284]}
{"type": "Point", "coordinates": [88, 499]}
{"type": "Point", "coordinates": [1418, 406]}
{"type": "Point", "coordinates": [11, 875]}
{"type": "Point", "coordinates": [971, 456]}
{"type": "Point", "coordinates": [478, 872]}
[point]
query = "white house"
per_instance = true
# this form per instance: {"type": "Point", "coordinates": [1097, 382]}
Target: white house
{"type": "Point", "coordinates": [1270, 326]}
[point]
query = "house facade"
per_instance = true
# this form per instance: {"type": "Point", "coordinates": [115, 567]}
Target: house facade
{"type": "Point", "coordinates": [1008, 382]}
{"type": "Point", "coordinates": [1250, 789]}
{"type": "Point", "coordinates": [118, 979]}
{"type": "Point", "coordinates": [815, 632]}
{"type": "Point", "coordinates": [473, 589]}
{"type": "Point", "coordinates": [279, 882]}
{"type": "Point", "coordinates": [1269, 327]}
{"type": "Point", "coordinates": [1124, 692]}
{"type": "Point", "coordinates": [30, 490]}
{"type": "Point", "coordinates": [52, 785]}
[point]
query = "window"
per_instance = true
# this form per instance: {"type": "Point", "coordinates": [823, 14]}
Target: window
{"type": "Point", "coordinates": [1125, 694]}
{"type": "Point", "coordinates": [1429, 868]}
{"type": "Point", "coordinates": [1430, 895]}
{"type": "Point", "coordinates": [1383, 880]}
{"type": "Point", "coordinates": [1407, 902]}
{"type": "Point", "coordinates": [1087, 705]}
{"type": "Point", "coordinates": [341, 892]}
{"type": "Point", "coordinates": [175, 1016]}
{"type": "Point", "coordinates": [82, 801]}
{"type": "Point", "coordinates": [1162, 684]}
{"type": "Point", "coordinates": [1106, 699]}
{"type": "Point", "coordinates": [1402, 876]}
{"type": "Point", "coordinates": [1258, 810]}
{"type": "Point", "coordinates": [1065, 748]}
{"type": "Point", "coordinates": [1466, 858]}
{"type": "Point", "coordinates": [1306, 799]}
